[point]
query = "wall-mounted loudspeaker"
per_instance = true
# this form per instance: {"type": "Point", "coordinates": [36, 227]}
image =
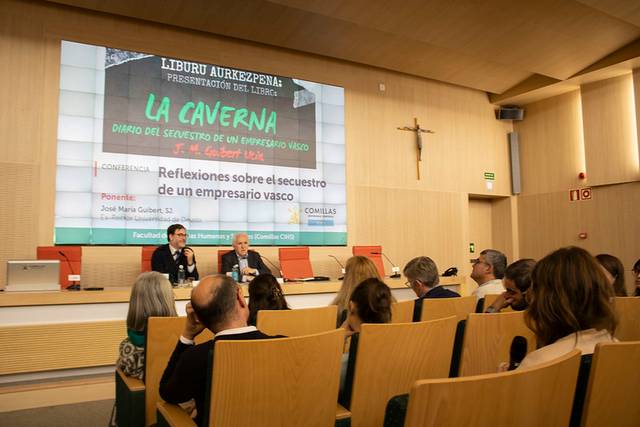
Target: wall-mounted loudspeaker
{"type": "Point", "coordinates": [510, 113]}
{"type": "Point", "coordinates": [514, 154]}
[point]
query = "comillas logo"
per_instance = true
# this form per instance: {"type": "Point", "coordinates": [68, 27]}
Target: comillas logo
{"type": "Point", "coordinates": [320, 211]}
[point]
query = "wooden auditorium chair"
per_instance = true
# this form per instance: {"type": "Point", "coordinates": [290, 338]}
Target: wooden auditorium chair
{"type": "Point", "coordinates": [386, 359]}
{"type": "Point", "coordinates": [612, 392]}
{"type": "Point", "coordinates": [295, 263]}
{"type": "Point", "coordinates": [136, 400]}
{"type": "Point", "coordinates": [402, 311]}
{"type": "Point", "coordinates": [538, 396]}
{"type": "Point", "coordinates": [374, 253]}
{"type": "Point", "coordinates": [628, 311]}
{"type": "Point", "coordinates": [277, 382]}
{"type": "Point", "coordinates": [437, 308]}
{"type": "Point", "coordinates": [145, 258]}
{"type": "Point", "coordinates": [70, 258]}
{"type": "Point", "coordinates": [297, 322]}
{"type": "Point", "coordinates": [486, 341]}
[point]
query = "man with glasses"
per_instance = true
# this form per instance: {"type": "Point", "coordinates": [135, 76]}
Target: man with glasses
{"type": "Point", "coordinates": [517, 281]}
{"type": "Point", "coordinates": [488, 271]}
{"type": "Point", "coordinates": [422, 277]}
{"type": "Point", "coordinates": [636, 276]}
{"type": "Point", "coordinates": [168, 258]}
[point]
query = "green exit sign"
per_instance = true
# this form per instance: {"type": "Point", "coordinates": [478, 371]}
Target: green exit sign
{"type": "Point", "coordinates": [489, 176]}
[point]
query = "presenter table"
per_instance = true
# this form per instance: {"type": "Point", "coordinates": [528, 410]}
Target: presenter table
{"type": "Point", "coordinates": [70, 330]}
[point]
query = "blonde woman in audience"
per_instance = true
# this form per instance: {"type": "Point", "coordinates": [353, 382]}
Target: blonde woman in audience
{"type": "Point", "coordinates": [151, 296]}
{"type": "Point", "coordinates": [615, 269]}
{"type": "Point", "coordinates": [570, 305]}
{"type": "Point", "coordinates": [357, 270]}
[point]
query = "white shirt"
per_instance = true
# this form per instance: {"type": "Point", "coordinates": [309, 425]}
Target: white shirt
{"type": "Point", "coordinates": [492, 287]}
{"type": "Point", "coordinates": [241, 330]}
{"type": "Point", "coordinates": [586, 342]}
{"type": "Point", "coordinates": [173, 250]}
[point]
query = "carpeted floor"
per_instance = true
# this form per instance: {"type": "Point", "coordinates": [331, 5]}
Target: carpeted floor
{"type": "Point", "coordinates": [80, 414]}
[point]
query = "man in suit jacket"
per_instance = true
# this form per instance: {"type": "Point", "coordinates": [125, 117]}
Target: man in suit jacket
{"type": "Point", "coordinates": [249, 262]}
{"type": "Point", "coordinates": [218, 304]}
{"type": "Point", "coordinates": [422, 276]}
{"type": "Point", "coordinates": [167, 258]}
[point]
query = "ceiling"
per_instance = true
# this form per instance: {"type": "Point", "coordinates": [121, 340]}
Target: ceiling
{"type": "Point", "coordinates": [516, 51]}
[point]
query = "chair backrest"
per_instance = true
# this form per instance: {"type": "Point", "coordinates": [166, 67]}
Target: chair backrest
{"type": "Point", "coordinates": [72, 264]}
{"type": "Point", "coordinates": [545, 394]}
{"type": "Point", "coordinates": [374, 253]}
{"type": "Point", "coordinates": [611, 397]}
{"type": "Point", "coordinates": [294, 323]}
{"type": "Point", "coordinates": [489, 299]}
{"type": "Point", "coordinates": [391, 357]}
{"type": "Point", "coordinates": [628, 311]}
{"type": "Point", "coordinates": [145, 258]}
{"type": "Point", "coordinates": [437, 308]}
{"type": "Point", "coordinates": [286, 381]}
{"type": "Point", "coordinates": [487, 340]}
{"type": "Point", "coordinates": [162, 336]}
{"type": "Point", "coordinates": [402, 311]}
{"type": "Point", "coordinates": [295, 263]}
{"type": "Point", "coordinates": [221, 253]}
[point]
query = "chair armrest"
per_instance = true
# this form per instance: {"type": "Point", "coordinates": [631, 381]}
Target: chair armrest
{"type": "Point", "coordinates": [342, 412]}
{"type": "Point", "coordinates": [133, 384]}
{"type": "Point", "coordinates": [172, 415]}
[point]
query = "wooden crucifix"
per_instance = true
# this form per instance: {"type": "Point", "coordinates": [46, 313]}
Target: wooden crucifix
{"type": "Point", "coordinates": [419, 131]}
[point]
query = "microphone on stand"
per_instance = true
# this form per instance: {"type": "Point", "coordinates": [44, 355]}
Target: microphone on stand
{"type": "Point", "coordinates": [74, 286]}
{"type": "Point", "coordinates": [394, 268]}
{"type": "Point", "coordinates": [342, 270]}
{"type": "Point", "coordinates": [272, 265]}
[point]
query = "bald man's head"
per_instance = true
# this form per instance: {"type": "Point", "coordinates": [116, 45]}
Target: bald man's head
{"type": "Point", "coordinates": [214, 301]}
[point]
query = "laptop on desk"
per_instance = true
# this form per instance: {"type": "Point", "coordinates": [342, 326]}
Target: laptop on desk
{"type": "Point", "coordinates": [40, 275]}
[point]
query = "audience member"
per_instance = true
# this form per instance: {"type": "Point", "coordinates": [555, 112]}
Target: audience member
{"type": "Point", "coordinates": [516, 281]}
{"type": "Point", "coordinates": [151, 296]}
{"type": "Point", "coordinates": [370, 302]}
{"type": "Point", "coordinates": [168, 258]}
{"type": "Point", "coordinates": [265, 293]}
{"type": "Point", "coordinates": [423, 278]}
{"type": "Point", "coordinates": [636, 275]}
{"type": "Point", "coordinates": [357, 269]}
{"type": "Point", "coordinates": [570, 306]}
{"type": "Point", "coordinates": [219, 305]}
{"type": "Point", "coordinates": [488, 271]}
{"type": "Point", "coordinates": [249, 262]}
{"type": "Point", "coordinates": [615, 269]}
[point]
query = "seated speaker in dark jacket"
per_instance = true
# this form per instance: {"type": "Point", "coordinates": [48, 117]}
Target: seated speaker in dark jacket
{"type": "Point", "coordinates": [218, 304]}
{"type": "Point", "coordinates": [249, 262]}
{"type": "Point", "coordinates": [168, 258]}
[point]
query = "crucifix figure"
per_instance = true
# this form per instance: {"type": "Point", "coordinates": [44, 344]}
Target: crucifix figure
{"type": "Point", "coordinates": [419, 131]}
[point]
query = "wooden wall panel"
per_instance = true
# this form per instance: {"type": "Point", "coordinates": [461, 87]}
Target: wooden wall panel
{"type": "Point", "coordinates": [551, 144]}
{"type": "Point", "coordinates": [610, 132]}
{"type": "Point", "coordinates": [504, 219]}
{"type": "Point", "coordinates": [549, 221]}
{"type": "Point", "coordinates": [380, 159]}
{"type": "Point", "coordinates": [59, 346]}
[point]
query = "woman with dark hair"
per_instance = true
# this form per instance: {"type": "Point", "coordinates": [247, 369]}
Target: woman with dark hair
{"type": "Point", "coordinates": [615, 268]}
{"type": "Point", "coordinates": [265, 293]}
{"type": "Point", "coordinates": [636, 274]}
{"type": "Point", "coordinates": [357, 269]}
{"type": "Point", "coordinates": [370, 302]}
{"type": "Point", "coordinates": [570, 305]}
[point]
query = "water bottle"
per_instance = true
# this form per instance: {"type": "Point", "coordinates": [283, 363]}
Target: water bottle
{"type": "Point", "coordinates": [235, 273]}
{"type": "Point", "coordinates": [181, 275]}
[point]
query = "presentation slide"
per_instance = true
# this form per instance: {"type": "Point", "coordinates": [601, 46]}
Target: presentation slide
{"type": "Point", "coordinates": [147, 141]}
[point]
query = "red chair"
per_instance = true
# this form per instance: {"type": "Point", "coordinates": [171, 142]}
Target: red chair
{"type": "Point", "coordinates": [221, 253]}
{"type": "Point", "coordinates": [145, 259]}
{"type": "Point", "coordinates": [295, 263]}
{"type": "Point", "coordinates": [70, 258]}
{"type": "Point", "coordinates": [374, 253]}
